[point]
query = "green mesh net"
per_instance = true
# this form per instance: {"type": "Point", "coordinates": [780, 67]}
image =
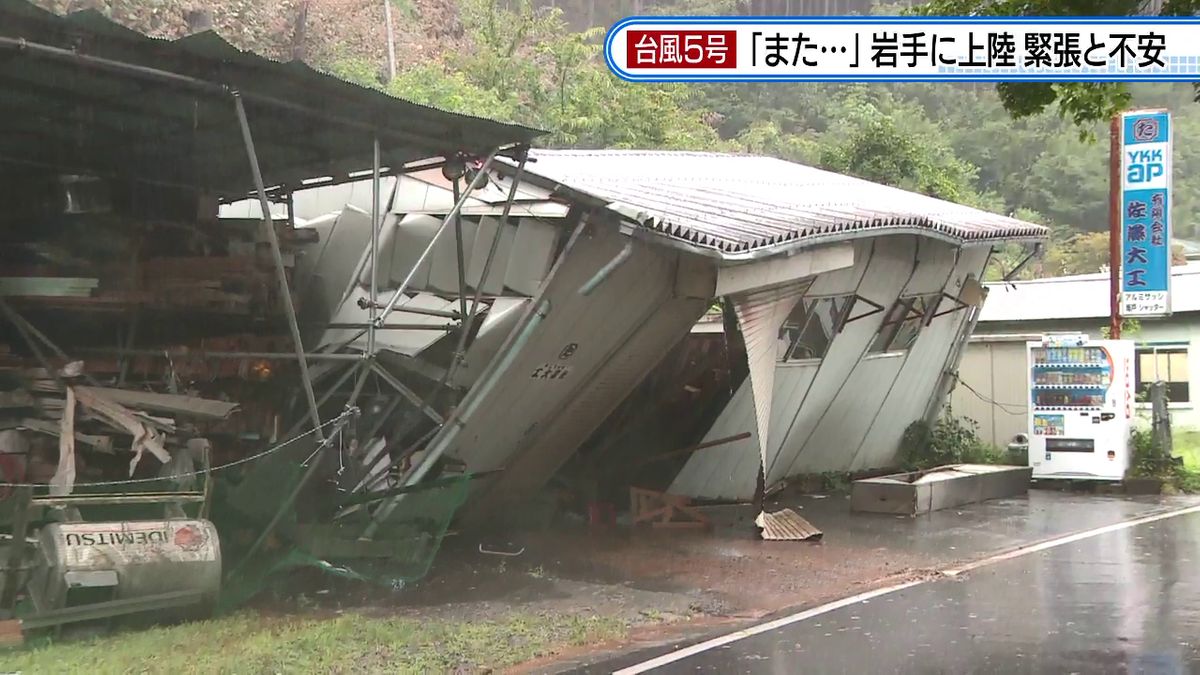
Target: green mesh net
{"type": "Point", "coordinates": [400, 551]}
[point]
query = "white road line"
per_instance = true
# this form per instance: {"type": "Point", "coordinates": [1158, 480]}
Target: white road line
{"type": "Point", "coordinates": [758, 629]}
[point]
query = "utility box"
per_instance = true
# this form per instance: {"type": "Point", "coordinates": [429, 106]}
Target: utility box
{"type": "Point", "coordinates": [920, 492]}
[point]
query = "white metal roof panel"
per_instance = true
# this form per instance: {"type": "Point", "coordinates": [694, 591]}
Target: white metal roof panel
{"type": "Point", "coordinates": [742, 203]}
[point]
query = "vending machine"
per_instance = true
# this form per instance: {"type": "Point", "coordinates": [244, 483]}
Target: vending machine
{"type": "Point", "coordinates": [1081, 397]}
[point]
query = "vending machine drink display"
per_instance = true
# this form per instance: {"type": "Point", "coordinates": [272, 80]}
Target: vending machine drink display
{"type": "Point", "coordinates": [1081, 399]}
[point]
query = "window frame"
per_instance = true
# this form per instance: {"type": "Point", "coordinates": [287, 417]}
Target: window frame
{"type": "Point", "coordinates": [893, 323]}
{"type": "Point", "coordinates": [1167, 348]}
{"type": "Point", "coordinates": [809, 302]}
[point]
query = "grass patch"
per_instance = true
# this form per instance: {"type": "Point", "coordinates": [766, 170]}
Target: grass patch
{"type": "Point", "coordinates": [248, 642]}
{"type": "Point", "coordinates": [1149, 461]}
{"type": "Point", "coordinates": [1186, 444]}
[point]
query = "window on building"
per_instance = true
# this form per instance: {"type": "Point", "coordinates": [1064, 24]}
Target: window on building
{"type": "Point", "coordinates": [902, 324]}
{"type": "Point", "coordinates": [1166, 363]}
{"type": "Point", "coordinates": [811, 327]}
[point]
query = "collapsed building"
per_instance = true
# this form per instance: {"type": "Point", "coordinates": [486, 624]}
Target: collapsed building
{"type": "Point", "coordinates": [849, 302]}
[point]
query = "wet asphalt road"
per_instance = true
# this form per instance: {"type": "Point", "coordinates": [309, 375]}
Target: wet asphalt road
{"type": "Point", "coordinates": [1121, 602]}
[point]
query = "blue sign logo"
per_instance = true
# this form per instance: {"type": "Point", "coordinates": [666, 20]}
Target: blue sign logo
{"type": "Point", "coordinates": [1146, 214]}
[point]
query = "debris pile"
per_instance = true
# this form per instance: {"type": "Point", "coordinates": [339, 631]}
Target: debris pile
{"type": "Point", "coordinates": [117, 310]}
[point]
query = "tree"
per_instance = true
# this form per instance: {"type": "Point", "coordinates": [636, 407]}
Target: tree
{"type": "Point", "coordinates": [1085, 103]}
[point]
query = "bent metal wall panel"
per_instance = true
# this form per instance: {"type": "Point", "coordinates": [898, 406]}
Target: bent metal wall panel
{"type": "Point", "coordinates": [849, 409]}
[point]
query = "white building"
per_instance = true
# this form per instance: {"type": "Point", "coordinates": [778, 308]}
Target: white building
{"type": "Point", "coordinates": [994, 370]}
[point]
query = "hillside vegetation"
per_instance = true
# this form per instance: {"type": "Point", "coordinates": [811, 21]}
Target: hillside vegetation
{"type": "Point", "coordinates": [516, 61]}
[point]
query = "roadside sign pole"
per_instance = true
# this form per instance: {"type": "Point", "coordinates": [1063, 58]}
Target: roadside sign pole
{"type": "Point", "coordinates": [1114, 228]}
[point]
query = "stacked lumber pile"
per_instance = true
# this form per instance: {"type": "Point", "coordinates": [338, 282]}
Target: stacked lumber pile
{"type": "Point", "coordinates": [222, 267]}
{"type": "Point", "coordinates": [54, 427]}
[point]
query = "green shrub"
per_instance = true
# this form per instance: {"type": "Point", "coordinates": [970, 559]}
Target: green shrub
{"type": "Point", "coordinates": [953, 440]}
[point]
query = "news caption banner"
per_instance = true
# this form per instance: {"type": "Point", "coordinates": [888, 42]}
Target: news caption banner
{"type": "Point", "coordinates": [941, 49]}
{"type": "Point", "coordinates": [1145, 217]}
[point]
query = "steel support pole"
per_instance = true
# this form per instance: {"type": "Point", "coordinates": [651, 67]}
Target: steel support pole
{"type": "Point", "coordinates": [280, 272]}
{"type": "Point", "coordinates": [1114, 228]}
{"type": "Point", "coordinates": [458, 245]}
{"type": "Point", "coordinates": [204, 354]}
{"type": "Point", "coordinates": [469, 315]}
{"type": "Point", "coordinates": [391, 303]}
{"type": "Point", "coordinates": [374, 247]}
{"type": "Point", "coordinates": [460, 416]}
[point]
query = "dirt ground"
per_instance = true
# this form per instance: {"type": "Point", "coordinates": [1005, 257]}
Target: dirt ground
{"type": "Point", "coordinates": [661, 584]}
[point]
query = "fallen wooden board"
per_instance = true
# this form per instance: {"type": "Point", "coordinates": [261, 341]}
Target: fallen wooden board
{"type": "Point", "coordinates": [786, 525]}
{"type": "Point", "coordinates": [190, 406]}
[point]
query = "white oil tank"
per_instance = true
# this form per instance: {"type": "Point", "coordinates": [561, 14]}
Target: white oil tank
{"type": "Point", "coordinates": [123, 560]}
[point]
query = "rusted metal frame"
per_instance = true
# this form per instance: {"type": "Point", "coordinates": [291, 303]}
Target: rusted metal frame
{"type": "Point", "coordinates": [29, 332]}
{"type": "Point", "coordinates": [958, 304]}
{"type": "Point", "coordinates": [854, 300]}
{"type": "Point", "coordinates": [390, 306]}
{"type": "Point", "coordinates": [1033, 253]}
{"type": "Point", "coordinates": [280, 271]}
{"type": "Point", "coordinates": [32, 344]}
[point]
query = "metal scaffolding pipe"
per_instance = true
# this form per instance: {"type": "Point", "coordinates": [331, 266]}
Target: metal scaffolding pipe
{"type": "Point", "coordinates": [407, 393]}
{"type": "Point", "coordinates": [391, 303]}
{"type": "Point", "coordinates": [444, 313]}
{"type": "Point", "coordinates": [469, 315]}
{"type": "Point", "coordinates": [280, 272]}
{"type": "Point", "coordinates": [204, 354]}
{"type": "Point", "coordinates": [374, 246]}
{"type": "Point", "coordinates": [458, 245]}
{"type": "Point", "coordinates": [604, 272]}
{"type": "Point", "coordinates": [460, 417]}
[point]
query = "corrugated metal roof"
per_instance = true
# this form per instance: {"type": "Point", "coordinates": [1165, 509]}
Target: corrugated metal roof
{"type": "Point", "coordinates": [743, 203]}
{"type": "Point", "coordinates": [1084, 296]}
{"type": "Point", "coordinates": [786, 525]}
{"type": "Point", "coordinates": [72, 103]}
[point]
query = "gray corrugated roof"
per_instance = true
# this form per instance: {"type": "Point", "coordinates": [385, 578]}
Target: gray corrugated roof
{"type": "Point", "coordinates": [740, 203]}
{"type": "Point", "coordinates": [1084, 296]}
{"type": "Point", "coordinates": [71, 103]}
